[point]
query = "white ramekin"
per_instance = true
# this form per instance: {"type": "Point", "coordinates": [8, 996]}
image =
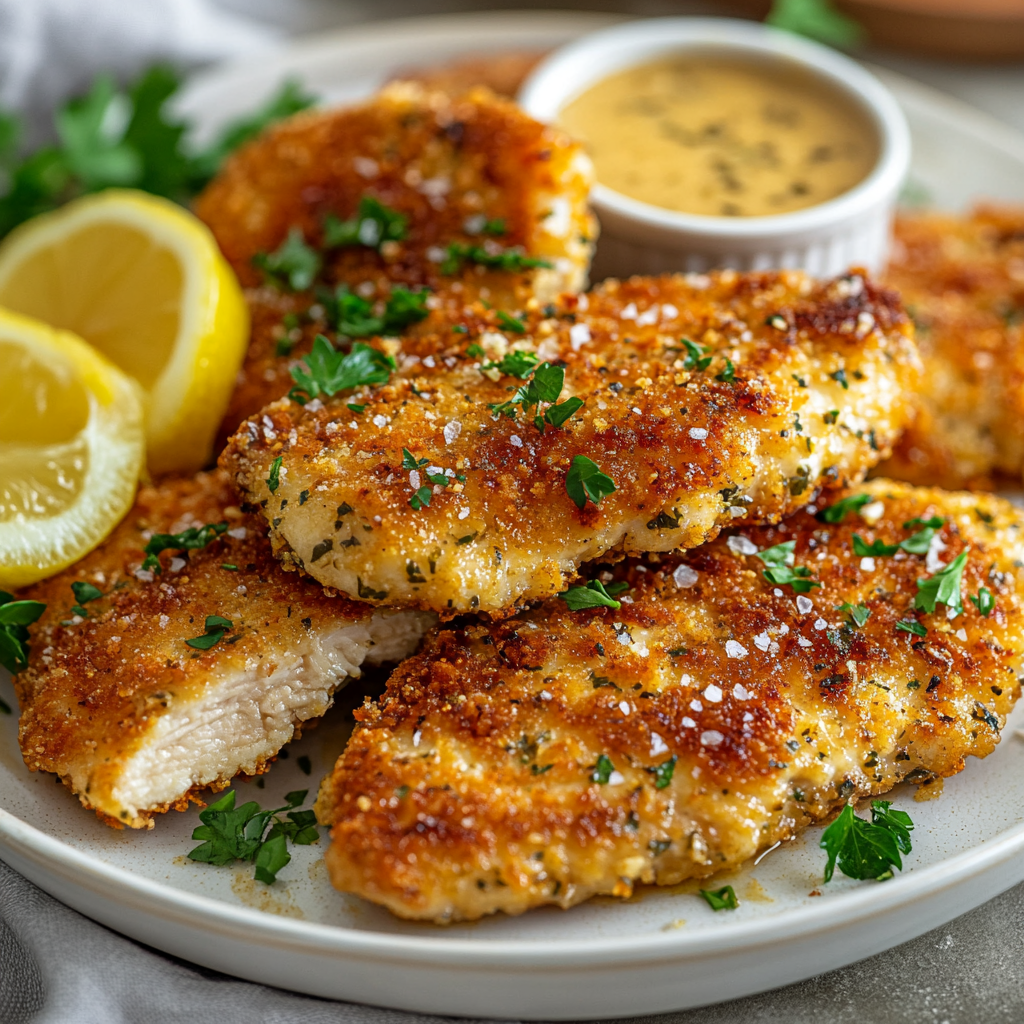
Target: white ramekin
{"type": "Point", "coordinates": [637, 238]}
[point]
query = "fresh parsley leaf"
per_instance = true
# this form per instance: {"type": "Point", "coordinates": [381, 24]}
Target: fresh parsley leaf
{"type": "Point", "coordinates": [797, 578]}
{"type": "Point", "coordinates": [493, 257]}
{"type": "Point", "coordinates": [728, 375]}
{"type": "Point", "coordinates": [421, 498]}
{"type": "Point", "coordinates": [293, 264]}
{"type": "Point", "coordinates": [935, 523]}
{"type": "Point", "coordinates": [518, 363]}
{"type": "Point", "coordinates": [354, 316]}
{"type": "Point", "coordinates": [592, 595]}
{"type": "Point", "coordinates": [911, 626]}
{"type": "Point", "coordinates": [409, 461]}
{"type": "Point", "coordinates": [193, 539]}
{"type": "Point", "coordinates": [862, 549]}
{"type": "Point", "coordinates": [943, 587]}
{"type": "Point", "coordinates": [585, 482]}
{"type": "Point", "coordinates": [721, 899]}
{"type": "Point", "coordinates": [695, 359]}
{"type": "Point", "coordinates": [840, 377]}
{"type": "Point", "coordinates": [556, 415]}
{"type": "Point", "coordinates": [85, 592]}
{"type": "Point", "coordinates": [984, 602]}
{"type": "Point", "coordinates": [841, 509]}
{"type": "Point", "coordinates": [663, 772]}
{"type": "Point", "coordinates": [779, 554]}
{"type": "Point", "coordinates": [816, 19]}
{"type": "Point", "coordinates": [274, 477]}
{"type": "Point", "coordinates": [230, 833]}
{"type": "Point", "coordinates": [920, 542]}
{"type": "Point", "coordinates": [15, 617]}
{"type": "Point", "coordinates": [859, 614]}
{"type": "Point", "coordinates": [404, 307]}
{"type": "Point", "coordinates": [602, 772]}
{"type": "Point", "coordinates": [326, 371]}
{"type": "Point", "coordinates": [216, 627]}
{"type": "Point", "coordinates": [864, 849]}
{"type": "Point", "coordinates": [373, 224]}
{"type": "Point", "coordinates": [511, 323]}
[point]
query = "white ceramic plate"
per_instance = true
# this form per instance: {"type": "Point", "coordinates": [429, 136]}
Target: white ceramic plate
{"type": "Point", "coordinates": [661, 951]}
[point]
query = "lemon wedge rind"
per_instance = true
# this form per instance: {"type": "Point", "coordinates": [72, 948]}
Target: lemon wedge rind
{"type": "Point", "coordinates": [186, 401]}
{"type": "Point", "coordinates": [113, 442]}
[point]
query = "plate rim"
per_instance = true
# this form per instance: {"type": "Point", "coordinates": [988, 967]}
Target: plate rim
{"type": "Point", "coordinates": [88, 871]}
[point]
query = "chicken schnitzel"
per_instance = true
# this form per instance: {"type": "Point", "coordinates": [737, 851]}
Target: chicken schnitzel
{"type": "Point", "coordinates": [364, 219]}
{"type": "Point", "coordinates": [644, 416]}
{"type": "Point", "coordinates": [962, 280]}
{"type": "Point", "coordinates": [153, 676]}
{"type": "Point", "coordinates": [736, 694]}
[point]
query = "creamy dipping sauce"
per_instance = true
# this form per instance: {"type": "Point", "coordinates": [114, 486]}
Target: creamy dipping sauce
{"type": "Point", "coordinates": [721, 137]}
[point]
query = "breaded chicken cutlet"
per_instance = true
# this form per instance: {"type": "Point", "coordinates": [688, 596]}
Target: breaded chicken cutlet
{"type": "Point", "coordinates": [476, 478]}
{"type": "Point", "coordinates": [465, 196]}
{"type": "Point", "coordinates": [562, 754]}
{"type": "Point", "coordinates": [135, 719]}
{"type": "Point", "coordinates": [962, 280]}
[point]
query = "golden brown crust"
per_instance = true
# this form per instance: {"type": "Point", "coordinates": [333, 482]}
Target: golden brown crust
{"type": "Point", "coordinates": [502, 73]}
{"type": "Point", "coordinates": [962, 280]}
{"type": "Point", "coordinates": [815, 397]}
{"type": "Point", "coordinates": [469, 787]}
{"type": "Point", "coordinates": [447, 164]}
{"type": "Point", "coordinates": [96, 686]}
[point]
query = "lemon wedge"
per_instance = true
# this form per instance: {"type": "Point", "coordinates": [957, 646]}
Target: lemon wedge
{"type": "Point", "coordinates": [72, 445]}
{"type": "Point", "coordinates": [141, 280]}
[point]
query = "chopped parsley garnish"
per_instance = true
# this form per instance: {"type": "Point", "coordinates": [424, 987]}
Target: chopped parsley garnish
{"type": "Point", "coordinates": [84, 593]}
{"type": "Point", "coordinates": [373, 224]}
{"type": "Point", "coordinates": [409, 461]}
{"type": "Point", "coordinates": [782, 572]}
{"type": "Point", "coordinates": [943, 587]}
{"type": "Point", "coordinates": [274, 477]}
{"type": "Point", "coordinates": [229, 566]}
{"type": "Point", "coordinates": [867, 849]}
{"type": "Point", "coordinates": [293, 264]}
{"type": "Point", "coordinates": [602, 772]}
{"type": "Point", "coordinates": [246, 833]}
{"type": "Point", "coordinates": [511, 323]}
{"type": "Point", "coordinates": [862, 549]}
{"type": "Point", "coordinates": [513, 260]}
{"type": "Point", "coordinates": [935, 523]}
{"type": "Point", "coordinates": [984, 602]}
{"type": "Point", "coordinates": [353, 316]}
{"type": "Point", "coordinates": [911, 626]}
{"type": "Point", "coordinates": [728, 375]}
{"type": "Point", "coordinates": [721, 899]}
{"type": "Point", "coordinates": [421, 498]}
{"type": "Point", "coordinates": [696, 358]}
{"type": "Point", "coordinates": [816, 19]}
{"type": "Point", "coordinates": [841, 509]}
{"type": "Point", "coordinates": [920, 542]}
{"type": "Point", "coordinates": [193, 539]}
{"type": "Point", "coordinates": [326, 371]}
{"type": "Point", "coordinates": [593, 595]}
{"type": "Point", "coordinates": [840, 377]}
{"type": "Point", "coordinates": [663, 772]}
{"type": "Point", "coordinates": [858, 613]}
{"type": "Point", "coordinates": [15, 616]}
{"type": "Point", "coordinates": [585, 482]}
{"type": "Point", "coordinates": [216, 627]}
{"type": "Point", "coordinates": [831, 416]}
{"type": "Point", "coordinates": [544, 384]}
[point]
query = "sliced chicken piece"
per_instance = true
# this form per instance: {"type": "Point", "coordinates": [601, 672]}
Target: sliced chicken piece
{"type": "Point", "coordinates": [705, 401]}
{"type": "Point", "coordinates": [561, 754]}
{"type": "Point", "coordinates": [962, 280]}
{"type": "Point", "coordinates": [133, 718]}
{"type": "Point", "coordinates": [473, 172]}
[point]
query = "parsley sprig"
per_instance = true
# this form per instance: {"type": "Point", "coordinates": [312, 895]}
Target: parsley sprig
{"type": "Point", "coordinates": [696, 359]}
{"type": "Point", "coordinates": [943, 587]}
{"type": "Point", "coordinates": [216, 628]}
{"type": "Point", "coordinates": [585, 482]}
{"type": "Point", "coordinates": [841, 509]}
{"type": "Point", "coordinates": [15, 617]}
{"type": "Point", "coordinates": [326, 371]}
{"type": "Point", "coordinates": [293, 264]}
{"type": "Point", "coordinates": [494, 258]}
{"type": "Point", "coordinates": [373, 224]}
{"type": "Point", "coordinates": [782, 572]}
{"type": "Point", "coordinates": [721, 899]}
{"type": "Point", "coordinates": [247, 833]}
{"type": "Point", "coordinates": [867, 849]}
{"type": "Point", "coordinates": [122, 137]}
{"type": "Point", "coordinates": [84, 593]}
{"type": "Point", "coordinates": [193, 539]}
{"type": "Point", "coordinates": [354, 316]}
{"type": "Point", "coordinates": [544, 383]}
{"type": "Point", "coordinates": [593, 595]}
